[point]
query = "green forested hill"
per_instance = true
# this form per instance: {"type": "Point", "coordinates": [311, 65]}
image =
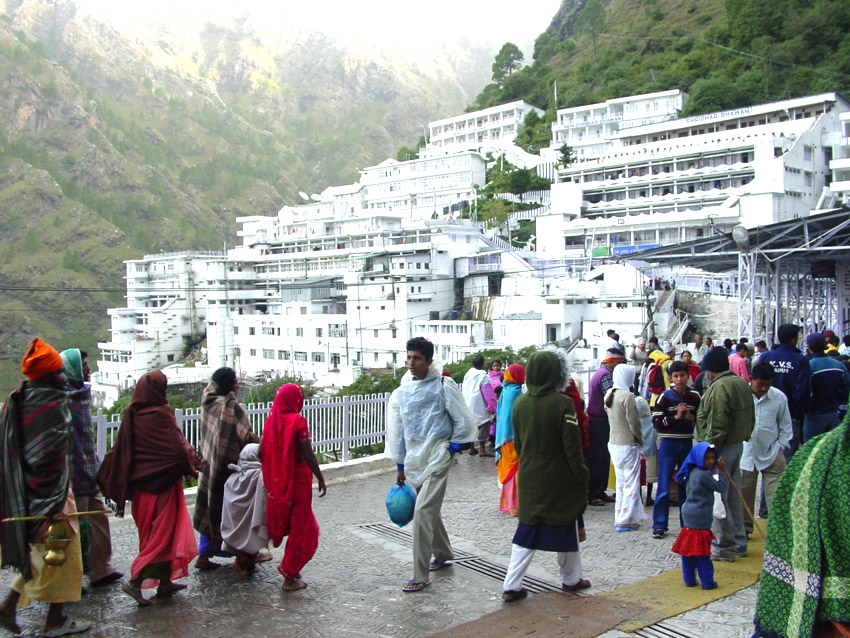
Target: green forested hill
{"type": "Point", "coordinates": [724, 53]}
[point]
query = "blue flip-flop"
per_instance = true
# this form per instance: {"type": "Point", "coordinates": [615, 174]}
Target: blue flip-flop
{"type": "Point", "coordinates": [626, 529]}
{"type": "Point", "coordinates": [413, 586]}
{"type": "Point", "coordinates": [437, 565]}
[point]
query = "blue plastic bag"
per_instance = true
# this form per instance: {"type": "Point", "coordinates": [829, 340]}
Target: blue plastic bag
{"type": "Point", "coordinates": [400, 503]}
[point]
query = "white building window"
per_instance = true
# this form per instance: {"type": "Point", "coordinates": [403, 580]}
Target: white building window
{"type": "Point", "coordinates": [318, 357]}
{"type": "Point", "coordinates": [268, 353]}
{"type": "Point", "coordinates": [300, 356]}
{"type": "Point", "coordinates": [335, 360]}
{"type": "Point", "coordinates": [299, 332]}
{"type": "Point", "coordinates": [252, 352]}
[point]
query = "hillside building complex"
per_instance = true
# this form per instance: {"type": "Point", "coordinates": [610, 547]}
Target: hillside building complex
{"type": "Point", "coordinates": [686, 178]}
{"type": "Point", "coordinates": [325, 290]}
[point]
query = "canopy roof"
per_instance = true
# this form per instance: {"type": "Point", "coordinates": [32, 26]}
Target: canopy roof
{"type": "Point", "coordinates": [809, 239]}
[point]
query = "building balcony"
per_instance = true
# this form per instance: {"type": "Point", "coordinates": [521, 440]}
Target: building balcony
{"type": "Point", "coordinates": [842, 163]}
{"type": "Point", "coordinates": [840, 187]}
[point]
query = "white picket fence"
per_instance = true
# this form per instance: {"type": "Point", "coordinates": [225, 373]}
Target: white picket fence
{"type": "Point", "coordinates": [337, 424]}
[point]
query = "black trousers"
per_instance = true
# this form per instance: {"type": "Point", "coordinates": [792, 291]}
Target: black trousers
{"type": "Point", "coordinates": [598, 459]}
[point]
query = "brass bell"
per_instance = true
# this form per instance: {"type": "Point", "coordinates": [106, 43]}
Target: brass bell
{"type": "Point", "coordinates": [58, 538]}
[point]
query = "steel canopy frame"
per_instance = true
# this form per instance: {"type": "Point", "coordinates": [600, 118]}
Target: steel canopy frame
{"type": "Point", "coordinates": [780, 271]}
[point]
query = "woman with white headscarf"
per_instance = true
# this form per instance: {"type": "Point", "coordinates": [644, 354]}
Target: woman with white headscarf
{"type": "Point", "coordinates": [624, 445]}
{"type": "Point", "coordinates": [243, 517]}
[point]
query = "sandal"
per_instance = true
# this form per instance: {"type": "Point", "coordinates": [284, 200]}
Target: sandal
{"type": "Point", "coordinates": [294, 585]}
{"type": "Point", "coordinates": [243, 573]}
{"type": "Point", "coordinates": [68, 627]}
{"type": "Point", "coordinates": [136, 594]}
{"type": "Point", "coordinates": [205, 564]}
{"type": "Point", "coordinates": [627, 528]}
{"type": "Point", "coordinates": [413, 586]}
{"type": "Point", "coordinates": [582, 584]}
{"type": "Point", "coordinates": [596, 502]}
{"type": "Point", "coordinates": [107, 580]}
{"type": "Point", "coordinates": [437, 565]}
{"type": "Point", "coordinates": [263, 556]}
{"type": "Point", "coordinates": [170, 588]}
{"type": "Point", "coordinates": [472, 452]}
{"type": "Point", "coordinates": [512, 595]}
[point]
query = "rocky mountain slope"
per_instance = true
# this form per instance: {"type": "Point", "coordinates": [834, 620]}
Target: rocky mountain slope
{"type": "Point", "coordinates": [114, 144]}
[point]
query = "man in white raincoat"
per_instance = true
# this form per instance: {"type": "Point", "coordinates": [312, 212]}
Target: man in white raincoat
{"type": "Point", "coordinates": [426, 414]}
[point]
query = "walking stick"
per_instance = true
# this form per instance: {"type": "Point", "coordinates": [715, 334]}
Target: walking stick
{"type": "Point", "coordinates": [744, 502]}
{"type": "Point", "coordinates": [15, 519]}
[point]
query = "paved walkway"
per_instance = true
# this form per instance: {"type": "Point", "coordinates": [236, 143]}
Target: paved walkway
{"type": "Point", "coordinates": [355, 579]}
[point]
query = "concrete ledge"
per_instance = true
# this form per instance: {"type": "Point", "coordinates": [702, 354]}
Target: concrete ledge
{"type": "Point", "coordinates": [357, 468]}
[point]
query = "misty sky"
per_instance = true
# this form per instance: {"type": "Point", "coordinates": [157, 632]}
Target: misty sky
{"type": "Point", "coordinates": [483, 21]}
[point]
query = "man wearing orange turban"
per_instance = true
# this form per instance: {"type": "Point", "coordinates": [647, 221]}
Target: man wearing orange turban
{"type": "Point", "coordinates": [41, 359]}
{"type": "Point", "coordinates": [35, 482]}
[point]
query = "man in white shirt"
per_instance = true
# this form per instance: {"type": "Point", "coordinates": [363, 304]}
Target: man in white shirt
{"type": "Point", "coordinates": [763, 453]}
{"type": "Point", "coordinates": [699, 349]}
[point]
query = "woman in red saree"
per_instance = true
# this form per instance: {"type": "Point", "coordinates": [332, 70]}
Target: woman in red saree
{"type": "Point", "coordinates": [288, 466]}
{"type": "Point", "coordinates": [149, 459]}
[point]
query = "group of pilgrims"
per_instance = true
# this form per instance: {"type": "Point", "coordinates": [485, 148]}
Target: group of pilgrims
{"type": "Point", "coordinates": [532, 420]}
{"type": "Point", "coordinates": [252, 491]}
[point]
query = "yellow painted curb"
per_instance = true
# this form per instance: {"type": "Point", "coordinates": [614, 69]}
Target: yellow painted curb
{"type": "Point", "coordinates": [665, 595]}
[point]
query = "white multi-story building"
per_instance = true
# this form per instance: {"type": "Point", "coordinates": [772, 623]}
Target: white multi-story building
{"type": "Point", "coordinates": [840, 163]}
{"type": "Point", "coordinates": [319, 291]}
{"type": "Point", "coordinates": [433, 187]}
{"type": "Point", "coordinates": [491, 129]}
{"type": "Point", "coordinates": [165, 314]}
{"type": "Point", "coordinates": [590, 130]}
{"type": "Point", "coordinates": [682, 179]}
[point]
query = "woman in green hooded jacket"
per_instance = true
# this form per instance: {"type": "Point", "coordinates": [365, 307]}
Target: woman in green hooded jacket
{"type": "Point", "coordinates": [552, 477]}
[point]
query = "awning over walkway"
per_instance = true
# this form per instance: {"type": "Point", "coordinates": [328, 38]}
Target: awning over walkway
{"type": "Point", "coordinates": [795, 271]}
{"type": "Point", "coordinates": [819, 237]}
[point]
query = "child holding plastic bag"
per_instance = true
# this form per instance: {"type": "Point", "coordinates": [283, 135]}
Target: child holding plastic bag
{"type": "Point", "coordinates": [694, 541]}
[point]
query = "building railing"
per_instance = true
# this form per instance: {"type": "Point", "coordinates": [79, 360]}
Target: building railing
{"type": "Point", "coordinates": [337, 424]}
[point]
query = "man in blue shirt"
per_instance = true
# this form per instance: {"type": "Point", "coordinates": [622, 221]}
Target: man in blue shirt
{"type": "Point", "coordinates": [792, 372]}
{"type": "Point", "coordinates": [828, 389]}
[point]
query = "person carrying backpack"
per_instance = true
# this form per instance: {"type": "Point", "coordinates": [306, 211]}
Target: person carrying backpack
{"type": "Point", "coordinates": [657, 379]}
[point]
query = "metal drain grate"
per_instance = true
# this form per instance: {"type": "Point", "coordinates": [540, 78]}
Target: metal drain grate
{"type": "Point", "coordinates": [662, 630]}
{"type": "Point", "coordinates": [498, 572]}
{"type": "Point", "coordinates": [398, 535]}
{"type": "Point", "coordinates": [462, 559]}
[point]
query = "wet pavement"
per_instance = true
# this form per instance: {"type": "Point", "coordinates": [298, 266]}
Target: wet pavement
{"type": "Point", "coordinates": [356, 576]}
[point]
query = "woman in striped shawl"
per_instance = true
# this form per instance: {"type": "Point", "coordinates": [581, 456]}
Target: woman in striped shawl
{"type": "Point", "coordinates": [225, 430]}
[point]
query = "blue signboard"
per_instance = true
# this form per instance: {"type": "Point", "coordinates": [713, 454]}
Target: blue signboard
{"type": "Point", "coordinates": [626, 250]}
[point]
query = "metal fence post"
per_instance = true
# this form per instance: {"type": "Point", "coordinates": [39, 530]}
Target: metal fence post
{"type": "Point", "coordinates": [178, 416]}
{"type": "Point", "coordinates": [101, 433]}
{"type": "Point", "coordinates": [346, 427]}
